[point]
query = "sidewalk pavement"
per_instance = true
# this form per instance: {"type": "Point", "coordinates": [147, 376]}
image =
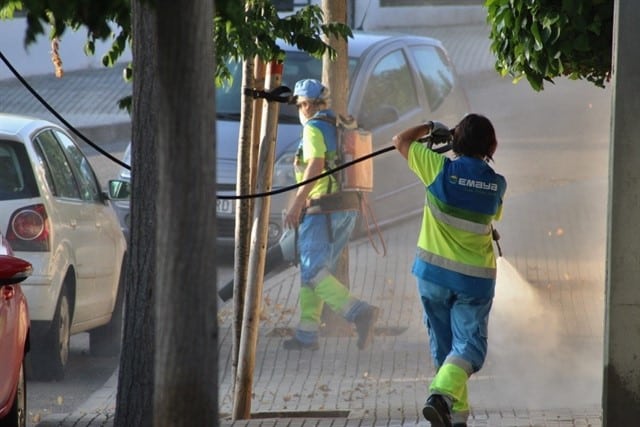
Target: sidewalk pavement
{"type": "Point", "coordinates": [544, 365]}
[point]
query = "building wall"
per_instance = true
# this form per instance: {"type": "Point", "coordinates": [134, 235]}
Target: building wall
{"type": "Point", "coordinates": [382, 14]}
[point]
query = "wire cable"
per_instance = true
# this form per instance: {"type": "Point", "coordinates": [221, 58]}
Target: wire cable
{"type": "Point", "coordinates": [430, 142]}
{"type": "Point", "coordinates": [58, 115]}
{"type": "Point", "coordinates": [307, 181]}
{"type": "Point", "coordinates": [233, 197]}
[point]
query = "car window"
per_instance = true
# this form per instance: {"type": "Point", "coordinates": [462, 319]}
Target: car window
{"type": "Point", "coordinates": [16, 175]}
{"type": "Point", "coordinates": [57, 170]}
{"type": "Point", "coordinates": [228, 96]}
{"type": "Point", "coordinates": [436, 73]}
{"type": "Point", "coordinates": [87, 181]}
{"type": "Point", "coordinates": [389, 86]}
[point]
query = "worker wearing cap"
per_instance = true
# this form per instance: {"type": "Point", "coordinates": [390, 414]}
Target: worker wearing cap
{"type": "Point", "coordinates": [322, 233]}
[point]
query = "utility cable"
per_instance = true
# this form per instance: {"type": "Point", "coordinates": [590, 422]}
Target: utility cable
{"type": "Point", "coordinates": [307, 181]}
{"type": "Point", "coordinates": [58, 116]}
{"type": "Point", "coordinates": [279, 96]}
{"type": "Point", "coordinates": [428, 139]}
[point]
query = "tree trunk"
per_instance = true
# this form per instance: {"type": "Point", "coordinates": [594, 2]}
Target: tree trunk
{"type": "Point", "coordinates": [134, 402]}
{"type": "Point", "coordinates": [243, 389]}
{"type": "Point", "coordinates": [249, 142]}
{"type": "Point", "coordinates": [335, 75]}
{"type": "Point", "coordinates": [243, 209]}
{"type": "Point", "coordinates": [186, 362]}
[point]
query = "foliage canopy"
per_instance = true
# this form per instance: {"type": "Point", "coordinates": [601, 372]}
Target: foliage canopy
{"type": "Point", "coordinates": [545, 39]}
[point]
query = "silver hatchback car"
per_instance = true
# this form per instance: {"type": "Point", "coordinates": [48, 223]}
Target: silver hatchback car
{"type": "Point", "coordinates": [396, 81]}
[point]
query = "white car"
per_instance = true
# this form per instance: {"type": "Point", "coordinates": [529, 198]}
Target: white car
{"type": "Point", "coordinates": [57, 217]}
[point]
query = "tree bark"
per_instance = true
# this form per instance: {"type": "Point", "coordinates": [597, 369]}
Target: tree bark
{"type": "Point", "coordinates": [243, 388]}
{"type": "Point", "coordinates": [243, 209]}
{"type": "Point", "coordinates": [186, 362]}
{"type": "Point", "coordinates": [134, 402]}
{"type": "Point", "coordinates": [336, 77]}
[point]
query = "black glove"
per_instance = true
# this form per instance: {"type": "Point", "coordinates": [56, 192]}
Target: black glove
{"type": "Point", "coordinates": [439, 138]}
{"type": "Point", "coordinates": [439, 130]}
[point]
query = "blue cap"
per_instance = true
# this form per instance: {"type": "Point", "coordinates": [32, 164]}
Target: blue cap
{"type": "Point", "coordinates": [310, 88]}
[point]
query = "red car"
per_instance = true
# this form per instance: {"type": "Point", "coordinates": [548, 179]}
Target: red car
{"type": "Point", "coordinates": [14, 338]}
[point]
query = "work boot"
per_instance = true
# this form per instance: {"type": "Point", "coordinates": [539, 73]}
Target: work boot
{"type": "Point", "coordinates": [436, 411]}
{"type": "Point", "coordinates": [295, 344]}
{"type": "Point", "coordinates": [460, 425]}
{"type": "Point", "coordinates": [364, 325]}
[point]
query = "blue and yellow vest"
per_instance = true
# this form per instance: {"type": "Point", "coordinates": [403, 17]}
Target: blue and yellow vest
{"type": "Point", "coordinates": [463, 197]}
{"type": "Point", "coordinates": [319, 135]}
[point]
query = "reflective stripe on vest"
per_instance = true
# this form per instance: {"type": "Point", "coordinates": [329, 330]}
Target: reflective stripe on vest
{"type": "Point", "coordinates": [459, 223]}
{"type": "Point", "coordinates": [458, 267]}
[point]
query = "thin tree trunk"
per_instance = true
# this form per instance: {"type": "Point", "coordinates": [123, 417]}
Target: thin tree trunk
{"type": "Point", "coordinates": [186, 362]}
{"type": "Point", "coordinates": [243, 210]}
{"type": "Point", "coordinates": [335, 75]}
{"type": "Point", "coordinates": [253, 304]}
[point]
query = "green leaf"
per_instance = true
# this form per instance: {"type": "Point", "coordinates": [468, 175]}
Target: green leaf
{"type": "Point", "coordinates": [536, 36]}
{"type": "Point", "coordinates": [9, 8]}
{"type": "Point", "coordinates": [535, 81]}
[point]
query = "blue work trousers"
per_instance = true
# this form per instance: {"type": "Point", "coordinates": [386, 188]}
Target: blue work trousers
{"type": "Point", "coordinates": [318, 249]}
{"type": "Point", "coordinates": [457, 324]}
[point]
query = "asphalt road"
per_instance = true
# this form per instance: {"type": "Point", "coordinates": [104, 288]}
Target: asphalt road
{"type": "Point", "coordinates": [85, 374]}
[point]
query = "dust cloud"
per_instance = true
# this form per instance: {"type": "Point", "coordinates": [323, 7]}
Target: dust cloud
{"type": "Point", "coordinates": [534, 361]}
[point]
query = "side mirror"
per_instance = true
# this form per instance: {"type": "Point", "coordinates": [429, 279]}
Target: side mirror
{"type": "Point", "coordinates": [13, 270]}
{"type": "Point", "coordinates": [119, 189]}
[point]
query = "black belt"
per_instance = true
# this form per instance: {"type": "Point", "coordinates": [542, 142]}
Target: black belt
{"type": "Point", "coordinates": [342, 201]}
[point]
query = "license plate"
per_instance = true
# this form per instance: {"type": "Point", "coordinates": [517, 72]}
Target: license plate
{"type": "Point", "coordinates": [224, 206]}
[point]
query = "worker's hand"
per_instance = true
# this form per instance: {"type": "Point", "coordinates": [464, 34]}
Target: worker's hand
{"type": "Point", "coordinates": [292, 217]}
{"type": "Point", "coordinates": [440, 130]}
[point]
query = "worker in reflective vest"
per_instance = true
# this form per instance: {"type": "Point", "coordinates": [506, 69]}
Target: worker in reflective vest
{"type": "Point", "coordinates": [323, 228]}
{"type": "Point", "coordinates": [455, 264]}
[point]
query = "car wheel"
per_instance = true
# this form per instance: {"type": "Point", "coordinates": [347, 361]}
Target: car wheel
{"type": "Point", "coordinates": [17, 416]}
{"type": "Point", "coordinates": [50, 353]}
{"type": "Point", "coordinates": [105, 341]}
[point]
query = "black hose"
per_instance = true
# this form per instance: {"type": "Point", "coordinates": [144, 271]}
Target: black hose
{"type": "Point", "coordinates": [442, 149]}
{"type": "Point", "coordinates": [445, 147]}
